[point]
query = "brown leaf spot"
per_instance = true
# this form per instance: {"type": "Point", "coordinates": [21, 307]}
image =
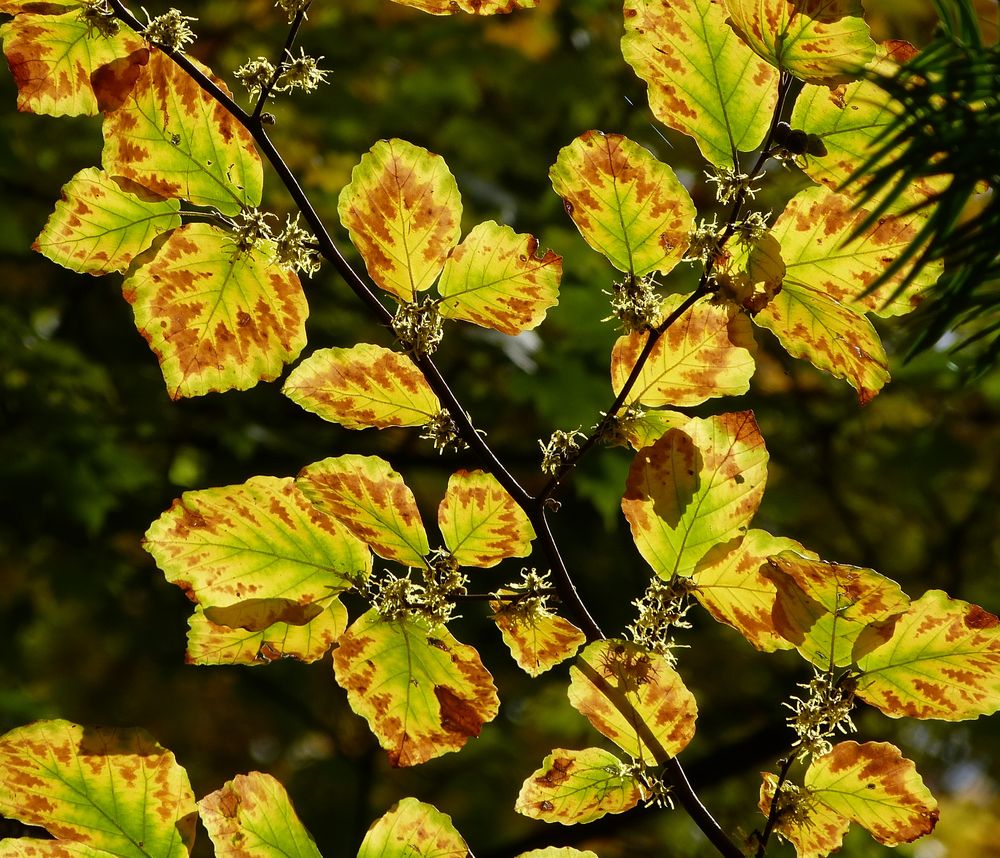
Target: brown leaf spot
{"type": "Point", "coordinates": [457, 714]}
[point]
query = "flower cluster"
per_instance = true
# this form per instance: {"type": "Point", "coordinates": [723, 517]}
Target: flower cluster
{"type": "Point", "coordinates": [295, 248]}
{"type": "Point", "coordinates": [292, 7]}
{"type": "Point", "coordinates": [255, 75]}
{"type": "Point", "coordinates": [432, 600]}
{"type": "Point", "coordinates": [825, 710]}
{"type": "Point", "coordinates": [250, 228]}
{"type": "Point", "coordinates": [99, 18]}
{"type": "Point", "coordinates": [661, 609]}
{"type": "Point", "coordinates": [418, 326]}
{"type": "Point", "coordinates": [703, 242]}
{"type": "Point", "coordinates": [731, 183]}
{"type": "Point", "coordinates": [301, 72]}
{"type": "Point", "coordinates": [615, 431]}
{"type": "Point", "coordinates": [751, 229]}
{"type": "Point", "coordinates": [442, 431]}
{"type": "Point", "coordinates": [635, 303]}
{"type": "Point", "coordinates": [526, 601]}
{"type": "Point", "coordinates": [169, 30]}
{"type": "Point", "coordinates": [559, 449]}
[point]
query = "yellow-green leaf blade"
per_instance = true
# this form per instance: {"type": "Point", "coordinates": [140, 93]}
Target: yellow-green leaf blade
{"type": "Point", "coordinates": [626, 204]}
{"type": "Point", "coordinates": [645, 429]}
{"type": "Point", "coordinates": [33, 847]}
{"type": "Point", "coordinates": [215, 318]}
{"type": "Point", "coordinates": [558, 852]}
{"type": "Point", "coordinates": [402, 210]}
{"type": "Point", "coordinates": [471, 7]}
{"type": "Point", "coordinates": [496, 278]}
{"type": "Point", "coordinates": [372, 501]}
{"type": "Point", "coordinates": [413, 829]}
{"type": "Point", "coordinates": [114, 790]}
{"type": "Point", "coordinates": [814, 829]}
{"type": "Point", "coordinates": [576, 787]}
{"type": "Point", "coordinates": [876, 787]}
{"type": "Point", "coordinates": [703, 80]}
{"type": "Point", "coordinates": [422, 692]}
{"type": "Point", "coordinates": [362, 386]}
{"type": "Point", "coordinates": [537, 639]}
{"type": "Point", "coordinates": [942, 660]}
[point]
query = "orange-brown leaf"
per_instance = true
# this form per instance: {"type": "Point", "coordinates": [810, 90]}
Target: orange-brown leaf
{"type": "Point", "coordinates": [813, 828]}
{"type": "Point", "coordinates": [538, 640]}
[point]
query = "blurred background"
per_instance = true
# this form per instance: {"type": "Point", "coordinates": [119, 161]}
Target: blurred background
{"type": "Point", "coordinates": [92, 451]}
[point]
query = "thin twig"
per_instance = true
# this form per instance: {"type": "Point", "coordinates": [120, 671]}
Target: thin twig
{"type": "Point", "coordinates": [772, 814]}
{"type": "Point", "coordinates": [286, 51]}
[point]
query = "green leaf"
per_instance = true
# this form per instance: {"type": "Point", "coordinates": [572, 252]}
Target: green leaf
{"type": "Point", "coordinates": [362, 386]}
{"type": "Point", "coordinates": [577, 786]}
{"type": "Point", "coordinates": [473, 7]}
{"type": "Point", "coordinates": [645, 429]}
{"type": "Point", "coordinates": [421, 691]}
{"type": "Point", "coordinates": [537, 639]}
{"type": "Point", "coordinates": [626, 204]}
{"type": "Point", "coordinates": [496, 278]}
{"type": "Point", "coordinates": [114, 790]}
{"type": "Point", "coordinates": [813, 828]}
{"type": "Point", "coordinates": [703, 80]}
{"type": "Point", "coordinates": [372, 501]}
{"type": "Point", "coordinates": [175, 139]}
{"type": "Point", "coordinates": [217, 319]}
{"type": "Point", "coordinates": [480, 522]}
{"type": "Point", "coordinates": [635, 698]}
{"type": "Point", "coordinates": [412, 829]}
{"type": "Point", "coordinates": [252, 817]}
{"type": "Point", "coordinates": [33, 847]}
{"type": "Point", "coordinates": [102, 222]}
{"type": "Point", "coordinates": [695, 489]}
{"type": "Point", "coordinates": [941, 659]}
{"type": "Point", "coordinates": [402, 210]}
{"type": "Point", "coordinates": [707, 352]}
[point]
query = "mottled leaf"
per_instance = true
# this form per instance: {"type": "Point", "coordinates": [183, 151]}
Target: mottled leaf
{"type": "Point", "coordinates": [695, 489]}
{"type": "Point", "coordinates": [403, 211]}
{"type": "Point", "coordinates": [577, 786]}
{"type": "Point", "coordinates": [216, 318]}
{"type": "Point", "coordinates": [362, 386]}
{"type": "Point", "coordinates": [703, 79]}
{"type": "Point", "coordinates": [38, 7]}
{"type": "Point", "coordinates": [101, 223]}
{"type": "Point", "coordinates": [480, 522]}
{"type": "Point", "coordinates": [750, 274]}
{"type": "Point", "coordinates": [473, 7]}
{"type": "Point", "coordinates": [649, 426]}
{"type": "Point", "coordinates": [421, 691]}
{"type": "Point", "coordinates": [414, 830]}
{"type": "Point", "coordinates": [626, 204]}
{"type": "Point", "coordinates": [538, 640]}
{"type": "Point", "coordinates": [175, 139]}
{"type": "Point", "coordinates": [814, 829]}
{"type": "Point", "coordinates": [875, 786]}
{"type": "Point", "coordinates": [498, 279]}
{"type": "Point", "coordinates": [115, 790]}
{"type": "Point", "coordinates": [941, 660]}
{"type": "Point", "coordinates": [635, 698]}
{"type": "Point", "coordinates": [371, 499]}
{"type": "Point", "coordinates": [33, 847]}
{"type": "Point", "coordinates": [707, 352]}
{"type": "Point", "coordinates": [558, 852]}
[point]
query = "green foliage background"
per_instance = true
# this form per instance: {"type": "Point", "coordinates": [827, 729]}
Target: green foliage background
{"type": "Point", "coordinates": [92, 450]}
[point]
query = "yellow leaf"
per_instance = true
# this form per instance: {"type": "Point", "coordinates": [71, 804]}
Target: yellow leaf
{"type": "Point", "coordinates": [412, 829]}
{"type": "Point", "coordinates": [472, 7]}
{"type": "Point", "coordinates": [537, 640]}
{"type": "Point", "coordinates": [813, 828]}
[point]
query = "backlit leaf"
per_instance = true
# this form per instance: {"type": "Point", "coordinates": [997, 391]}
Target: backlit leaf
{"type": "Point", "coordinates": [750, 274]}
{"type": "Point", "coordinates": [695, 489]}
{"type": "Point", "coordinates": [175, 139]}
{"type": "Point", "coordinates": [538, 640]}
{"type": "Point", "coordinates": [403, 211]}
{"type": "Point", "coordinates": [815, 40]}
{"type": "Point", "coordinates": [412, 829]}
{"type": "Point", "coordinates": [371, 499]}
{"type": "Point", "coordinates": [473, 7]}
{"type": "Point", "coordinates": [101, 223]}
{"type": "Point", "coordinates": [33, 847]}
{"type": "Point", "coordinates": [252, 817]}
{"type": "Point", "coordinates": [61, 69]}
{"type": "Point", "coordinates": [635, 698]}
{"type": "Point", "coordinates": [114, 790]}
{"type": "Point", "coordinates": [626, 204]}
{"type": "Point", "coordinates": [480, 522]}
{"type": "Point", "coordinates": [558, 852]}
{"type": "Point", "coordinates": [876, 787]}
{"type": "Point", "coordinates": [703, 79]}
{"type": "Point", "coordinates": [641, 431]}
{"type": "Point", "coordinates": [422, 692]}
{"type": "Point", "coordinates": [707, 352]}
{"type": "Point", "coordinates": [814, 829]}
{"type": "Point", "coordinates": [942, 660]}
{"type": "Point", "coordinates": [38, 7]}
{"type": "Point", "coordinates": [217, 319]}
{"type": "Point", "coordinates": [496, 278]}
{"type": "Point", "coordinates": [577, 786]}
{"type": "Point", "coordinates": [259, 540]}
{"type": "Point", "coordinates": [362, 386]}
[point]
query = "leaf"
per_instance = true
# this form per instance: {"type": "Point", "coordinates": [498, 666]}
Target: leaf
{"type": "Point", "coordinates": [823, 608]}
{"type": "Point", "coordinates": [372, 501]}
{"type": "Point", "coordinates": [873, 785]}
{"type": "Point", "coordinates": [635, 698]}
{"type": "Point", "coordinates": [577, 786]}
{"type": "Point", "coordinates": [732, 587]}
{"type": "Point", "coordinates": [255, 615]}
{"type": "Point", "coordinates": [480, 522]}
{"type": "Point", "coordinates": [811, 325]}
{"type": "Point", "coordinates": [402, 210]}
{"type": "Point", "coordinates": [558, 852]}
{"type": "Point", "coordinates": [114, 790]}
{"type": "Point", "coordinates": [38, 7]}
{"type": "Point", "coordinates": [217, 319]}
{"type": "Point", "coordinates": [814, 829]}
{"type": "Point", "coordinates": [473, 7]}
{"type": "Point", "coordinates": [707, 352]}
{"type": "Point", "coordinates": [537, 639]}
{"type": "Point", "coordinates": [102, 223]}
{"type": "Point", "coordinates": [626, 204]}
{"type": "Point", "coordinates": [33, 847]}
{"type": "Point", "coordinates": [695, 489]}
{"type": "Point", "coordinates": [703, 79]}
{"type": "Point", "coordinates": [362, 386]}
{"type": "Point", "coordinates": [641, 431]}
{"type": "Point", "coordinates": [172, 137]}
{"type": "Point", "coordinates": [813, 231]}
{"type": "Point", "coordinates": [942, 660]}
{"type": "Point", "coordinates": [414, 830]}
{"type": "Point", "coordinates": [750, 274]}
{"type": "Point", "coordinates": [252, 817]}
{"type": "Point", "coordinates": [496, 278]}
{"type": "Point", "coordinates": [422, 692]}
{"type": "Point", "coordinates": [211, 643]}
{"type": "Point", "coordinates": [62, 69]}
